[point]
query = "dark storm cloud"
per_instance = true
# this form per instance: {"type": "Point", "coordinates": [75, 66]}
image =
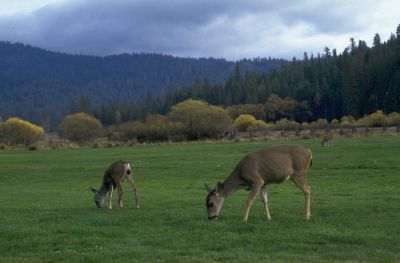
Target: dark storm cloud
{"type": "Point", "coordinates": [224, 28]}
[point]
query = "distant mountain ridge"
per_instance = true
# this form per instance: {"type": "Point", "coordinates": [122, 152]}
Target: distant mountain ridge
{"type": "Point", "coordinates": [39, 85]}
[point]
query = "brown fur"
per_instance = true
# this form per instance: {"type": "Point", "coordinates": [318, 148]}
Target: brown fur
{"type": "Point", "coordinates": [116, 173]}
{"type": "Point", "coordinates": [256, 170]}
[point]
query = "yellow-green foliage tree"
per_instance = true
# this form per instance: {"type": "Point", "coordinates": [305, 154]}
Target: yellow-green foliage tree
{"type": "Point", "coordinates": [126, 131]}
{"type": "Point", "coordinates": [319, 124]}
{"type": "Point", "coordinates": [286, 124]}
{"type": "Point", "coordinates": [199, 119]}
{"type": "Point", "coordinates": [258, 125]}
{"type": "Point", "coordinates": [393, 119]}
{"type": "Point", "coordinates": [17, 131]}
{"type": "Point", "coordinates": [276, 107]}
{"type": "Point", "coordinates": [377, 119]}
{"type": "Point", "coordinates": [347, 121]}
{"type": "Point", "coordinates": [257, 110]}
{"type": "Point", "coordinates": [80, 127]}
{"type": "Point", "coordinates": [244, 121]}
{"type": "Point", "coordinates": [158, 127]}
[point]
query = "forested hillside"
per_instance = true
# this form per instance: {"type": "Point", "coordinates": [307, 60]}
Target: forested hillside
{"type": "Point", "coordinates": [358, 81]}
{"type": "Point", "coordinates": [40, 85]}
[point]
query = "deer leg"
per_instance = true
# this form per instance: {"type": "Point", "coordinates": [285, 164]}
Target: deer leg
{"type": "Point", "coordinates": [134, 189]}
{"type": "Point", "coordinates": [254, 189]}
{"type": "Point", "coordinates": [120, 192]}
{"type": "Point", "coordinates": [301, 182]}
{"type": "Point", "coordinates": [264, 199]}
{"type": "Point", "coordinates": [110, 198]}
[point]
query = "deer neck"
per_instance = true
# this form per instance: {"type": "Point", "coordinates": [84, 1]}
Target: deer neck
{"type": "Point", "coordinates": [231, 184]}
{"type": "Point", "coordinates": [103, 190]}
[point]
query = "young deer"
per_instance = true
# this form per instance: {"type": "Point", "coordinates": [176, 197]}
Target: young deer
{"type": "Point", "coordinates": [118, 172]}
{"type": "Point", "coordinates": [256, 170]}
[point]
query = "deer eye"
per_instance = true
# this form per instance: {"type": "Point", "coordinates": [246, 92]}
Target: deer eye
{"type": "Point", "coordinates": [210, 205]}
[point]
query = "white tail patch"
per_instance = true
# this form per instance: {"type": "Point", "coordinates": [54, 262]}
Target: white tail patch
{"type": "Point", "coordinates": [128, 170]}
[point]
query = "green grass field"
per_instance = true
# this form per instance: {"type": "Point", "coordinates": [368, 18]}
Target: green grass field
{"type": "Point", "coordinates": [47, 213]}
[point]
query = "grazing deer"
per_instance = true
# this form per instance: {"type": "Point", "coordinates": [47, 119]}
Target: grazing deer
{"type": "Point", "coordinates": [118, 172]}
{"type": "Point", "coordinates": [326, 139]}
{"type": "Point", "coordinates": [256, 170]}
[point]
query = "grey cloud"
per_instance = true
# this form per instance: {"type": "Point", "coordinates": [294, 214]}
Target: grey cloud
{"type": "Point", "coordinates": [224, 28]}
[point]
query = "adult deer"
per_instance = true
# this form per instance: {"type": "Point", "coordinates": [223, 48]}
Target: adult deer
{"type": "Point", "coordinates": [256, 170]}
{"type": "Point", "coordinates": [326, 139]}
{"type": "Point", "coordinates": [118, 172]}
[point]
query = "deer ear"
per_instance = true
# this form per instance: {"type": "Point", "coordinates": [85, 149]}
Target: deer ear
{"type": "Point", "coordinates": [93, 190]}
{"type": "Point", "coordinates": [207, 188]}
{"type": "Point", "coordinates": [220, 186]}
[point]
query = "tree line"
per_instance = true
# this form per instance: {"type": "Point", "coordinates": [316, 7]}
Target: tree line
{"type": "Point", "coordinates": [187, 120]}
{"type": "Point", "coordinates": [359, 81]}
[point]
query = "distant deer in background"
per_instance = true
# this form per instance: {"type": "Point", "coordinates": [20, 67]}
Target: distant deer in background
{"type": "Point", "coordinates": [118, 172]}
{"type": "Point", "coordinates": [326, 139]}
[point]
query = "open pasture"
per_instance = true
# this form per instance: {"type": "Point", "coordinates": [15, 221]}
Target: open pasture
{"type": "Point", "coordinates": [47, 213]}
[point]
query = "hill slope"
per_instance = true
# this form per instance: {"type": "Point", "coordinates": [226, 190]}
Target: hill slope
{"type": "Point", "coordinates": [40, 85]}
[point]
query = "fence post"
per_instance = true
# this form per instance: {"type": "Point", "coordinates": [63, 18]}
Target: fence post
{"type": "Point", "coordinates": [297, 132]}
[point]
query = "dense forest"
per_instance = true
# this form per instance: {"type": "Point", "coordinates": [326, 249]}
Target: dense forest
{"type": "Point", "coordinates": [43, 86]}
{"type": "Point", "coordinates": [358, 81]}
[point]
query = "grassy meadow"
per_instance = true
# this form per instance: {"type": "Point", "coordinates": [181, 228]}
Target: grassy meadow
{"type": "Point", "coordinates": [47, 213]}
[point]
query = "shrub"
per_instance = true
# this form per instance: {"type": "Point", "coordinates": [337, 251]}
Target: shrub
{"type": "Point", "coordinates": [80, 127]}
{"type": "Point", "coordinates": [17, 131]}
{"type": "Point", "coordinates": [258, 125]}
{"type": "Point", "coordinates": [286, 124]}
{"type": "Point", "coordinates": [347, 121]}
{"type": "Point", "coordinates": [320, 123]}
{"type": "Point", "coordinates": [335, 123]}
{"type": "Point", "coordinates": [199, 119]}
{"type": "Point", "coordinates": [305, 126]}
{"type": "Point", "coordinates": [244, 121]}
{"type": "Point", "coordinates": [377, 119]}
{"type": "Point", "coordinates": [393, 119]}
{"type": "Point", "coordinates": [158, 127]}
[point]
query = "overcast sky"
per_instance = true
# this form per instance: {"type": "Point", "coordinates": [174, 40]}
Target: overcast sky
{"type": "Point", "coordinates": [231, 29]}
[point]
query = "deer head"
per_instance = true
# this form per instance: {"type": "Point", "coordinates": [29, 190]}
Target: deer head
{"type": "Point", "coordinates": [214, 200]}
{"type": "Point", "coordinates": [98, 198]}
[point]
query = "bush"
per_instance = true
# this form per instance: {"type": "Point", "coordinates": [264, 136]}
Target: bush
{"type": "Point", "coordinates": [199, 119]}
{"type": "Point", "coordinates": [319, 124]}
{"type": "Point", "coordinates": [80, 127]}
{"type": "Point", "coordinates": [347, 121]}
{"type": "Point", "coordinates": [305, 126]}
{"type": "Point", "coordinates": [335, 123]}
{"type": "Point", "coordinates": [244, 121]}
{"type": "Point", "coordinates": [286, 124]}
{"type": "Point", "coordinates": [17, 131]}
{"type": "Point", "coordinates": [257, 125]}
{"type": "Point", "coordinates": [160, 128]}
{"type": "Point", "coordinates": [393, 119]}
{"type": "Point", "coordinates": [257, 110]}
{"type": "Point", "coordinates": [133, 130]}
{"type": "Point", "coordinates": [376, 119]}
